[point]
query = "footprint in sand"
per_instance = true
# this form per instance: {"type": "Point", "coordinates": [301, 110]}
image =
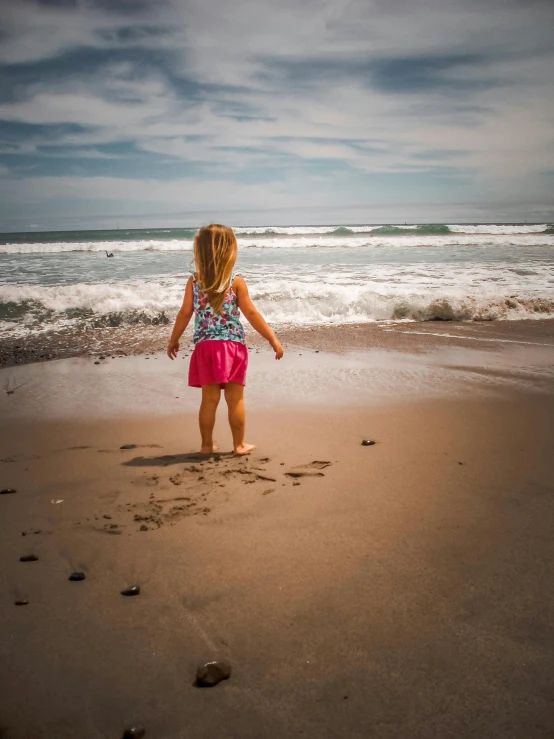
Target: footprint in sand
{"type": "Point", "coordinates": [312, 469]}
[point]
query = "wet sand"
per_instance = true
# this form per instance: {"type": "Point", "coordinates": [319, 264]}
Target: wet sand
{"type": "Point", "coordinates": [409, 336]}
{"type": "Point", "coordinates": [397, 590]}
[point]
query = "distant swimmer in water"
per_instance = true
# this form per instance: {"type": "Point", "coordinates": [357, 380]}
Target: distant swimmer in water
{"type": "Point", "coordinates": [110, 254]}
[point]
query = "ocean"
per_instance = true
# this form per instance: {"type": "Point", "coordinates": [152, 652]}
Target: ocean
{"type": "Point", "coordinates": [307, 275]}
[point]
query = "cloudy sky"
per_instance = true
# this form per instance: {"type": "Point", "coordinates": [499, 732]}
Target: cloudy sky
{"type": "Point", "coordinates": [170, 112]}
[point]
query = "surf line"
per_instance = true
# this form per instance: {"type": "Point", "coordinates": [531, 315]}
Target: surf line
{"type": "Point", "coordinates": [469, 338]}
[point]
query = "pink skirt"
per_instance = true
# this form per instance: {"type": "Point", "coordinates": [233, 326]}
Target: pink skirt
{"type": "Point", "coordinates": [218, 362]}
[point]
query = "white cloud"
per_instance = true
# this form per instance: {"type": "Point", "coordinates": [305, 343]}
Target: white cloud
{"type": "Point", "coordinates": [498, 127]}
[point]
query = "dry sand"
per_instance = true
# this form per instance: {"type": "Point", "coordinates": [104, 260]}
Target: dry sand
{"type": "Point", "coordinates": [402, 590]}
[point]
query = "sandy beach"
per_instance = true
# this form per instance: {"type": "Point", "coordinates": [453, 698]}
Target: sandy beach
{"type": "Point", "coordinates": [396, 590]}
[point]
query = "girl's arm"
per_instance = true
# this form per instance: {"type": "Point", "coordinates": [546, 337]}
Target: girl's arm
{"type": "Point", "coordinates": [182, 321]}
{"type": "Point", "coordinates": [254, 318]}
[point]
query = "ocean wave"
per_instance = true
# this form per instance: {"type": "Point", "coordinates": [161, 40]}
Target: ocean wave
{"type": "Point", "coordinates": [427, 230]}
{"type": "Point", "coordinates": [274, 237]}
{"type": "Point", "coordinates": [97, 246]}
{"type": "Point", "coordinates": [503, 229]}
{"type": "Point", "coordinates": [100, 235]}
{"type": "Point", "coordinates": [32, 307]}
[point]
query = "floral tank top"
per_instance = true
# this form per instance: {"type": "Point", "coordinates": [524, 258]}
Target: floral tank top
{"type": "Point", "coordinates": [210, 326]}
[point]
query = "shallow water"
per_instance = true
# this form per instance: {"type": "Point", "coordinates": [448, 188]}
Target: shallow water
{"type": "Point", "coordinates": [136, 386]}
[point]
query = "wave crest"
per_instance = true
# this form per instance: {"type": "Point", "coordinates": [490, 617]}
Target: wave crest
{"type": "Point", "coordinates": [32, 308]}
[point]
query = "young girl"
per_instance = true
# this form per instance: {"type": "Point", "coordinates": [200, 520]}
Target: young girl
{"type": "Point", "coordinates": [214, 294]}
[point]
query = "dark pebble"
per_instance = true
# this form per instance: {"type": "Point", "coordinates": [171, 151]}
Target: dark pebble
{"type": "Point", "coordinates": [29, 558]}
{"type": "Point", "coordinates": [97, 363]}
{"type": "Point", "coordinates": [8, 491]}
{"type": "Point", "coordinates": [76, 576]}
{"type": "Point", "coordinates": [128, 446]}
{"type": "Point", "coordinates": [367, 442]}
{"type": "Point", "coordinates": [21, 602]}
{"type": "Point", "coordinates": [212, 673]}
{"type": "Point", "coordinates": [135, 732]}
{"type": "Point", "coordinates": [133, 590]}
{"type": "Point", "coordinates": [143, 528]}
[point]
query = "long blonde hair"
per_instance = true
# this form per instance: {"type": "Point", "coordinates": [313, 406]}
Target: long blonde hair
{"type": "Point", "coordinates": [215, 254]}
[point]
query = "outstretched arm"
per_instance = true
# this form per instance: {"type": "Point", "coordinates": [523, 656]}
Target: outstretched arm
{"type": "Point", "coordinates": [254, 317]}
{"type": "Point", "coordinates": [181, 322]}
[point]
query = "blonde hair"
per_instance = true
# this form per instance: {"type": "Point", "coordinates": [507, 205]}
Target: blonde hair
{"type": "Point", "coordinates": [215, 254]}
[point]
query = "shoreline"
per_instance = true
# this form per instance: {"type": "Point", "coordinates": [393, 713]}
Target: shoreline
{"type": "Point", "coordinates": [338, 338]}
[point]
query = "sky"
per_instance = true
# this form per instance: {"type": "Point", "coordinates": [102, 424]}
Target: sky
{"type": "Point", "coordinates": [176, 112]}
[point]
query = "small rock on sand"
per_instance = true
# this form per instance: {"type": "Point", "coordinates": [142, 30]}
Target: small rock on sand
{"type": "Point", "coordinates": [367, 442]}
{"type": "Point", "coordinates": [29, 558]}
{"type": "Point", "coordinates": [135, 732]}
{"type": "Point", "coordinates": [133, 590]}
{"type": "Point", "coordinates": [212, 673]}
{"type": "Point", "coordinates": [128, 446]}
{"type": "Point", "coordinates": [21, 602]}
{"type": "Point", "coordinates": [304, 474]}
{"type": "Point", "coordinates": [143, 528]}
{"type": "Point", "coordinates": [76, 576]}
{"type": "Point", "coordinates": [8, 491]}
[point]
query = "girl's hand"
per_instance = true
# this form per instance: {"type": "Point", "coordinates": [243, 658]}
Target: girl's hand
{"type": "Point", "coordinates": [172, 349]}
{"type": "Point", "coordinates": [278, 349]}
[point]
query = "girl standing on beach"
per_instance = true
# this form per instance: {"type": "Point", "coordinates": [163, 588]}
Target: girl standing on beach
{"type": "Point", "coordinates": [214, 294]}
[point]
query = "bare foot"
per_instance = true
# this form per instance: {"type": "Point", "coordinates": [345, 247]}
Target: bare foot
{"type": "Point", "coordinates": [244, 449]}
{"type": "Point", "coordinates": [209, 449]}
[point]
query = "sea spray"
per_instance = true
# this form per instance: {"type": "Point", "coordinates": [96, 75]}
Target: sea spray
{"type": "Point", "coordinates": [281, 302]}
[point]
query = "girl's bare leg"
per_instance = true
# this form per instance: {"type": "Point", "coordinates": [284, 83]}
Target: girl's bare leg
{"type": "Point", "coordinates": [234, 396]}
{"type": "Point", "coordinates": [206, 417]}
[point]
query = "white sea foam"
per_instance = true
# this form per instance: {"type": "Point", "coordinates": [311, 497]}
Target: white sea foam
{"type": "Point", "coordinates": [98, 246]}
{"type": "Point", "coordinates": [499, 230]}
{"type": "Point", "coordinates": [308, 236]}
{"type": "Point", "coordinates": [486, 228]}
{"type": "Point", "coordinates": [397, 241]}
{"type": "Point", "coordinates": [423, 294]}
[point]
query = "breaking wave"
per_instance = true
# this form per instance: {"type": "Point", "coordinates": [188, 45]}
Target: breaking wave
{"type": "Point", "coordinates": [32, 307]}
{"type": "Point", "coordinates": [174, 239]}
